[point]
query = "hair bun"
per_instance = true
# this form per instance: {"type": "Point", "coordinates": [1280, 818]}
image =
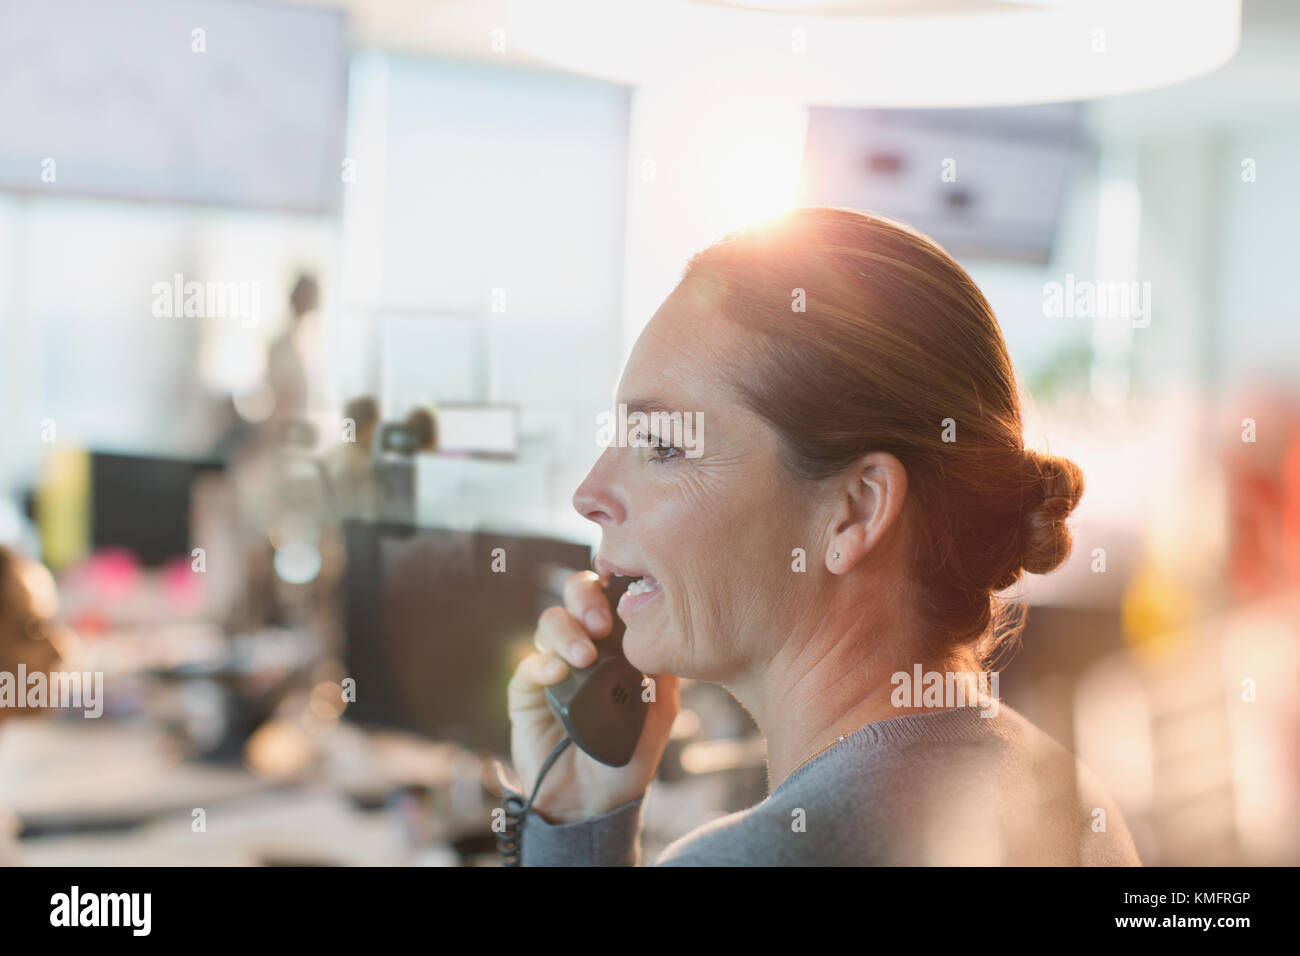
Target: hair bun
{"type": "Point", "coordinates": [1054, 487]}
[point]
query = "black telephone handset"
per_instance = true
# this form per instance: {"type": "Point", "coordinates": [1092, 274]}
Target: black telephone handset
{"type": "Point", "coordinates": [600, 705]}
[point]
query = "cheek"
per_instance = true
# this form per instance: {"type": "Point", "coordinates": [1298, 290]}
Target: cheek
{"type": "Point", "coordinates": [676, 543]}
{"type": "Point", "coordinates": [693, 539]}
{"type": "Point", "coordinates": [676, 528]}
{"type": "Point", "coordinates": [673, 534]}
{"type": "Point", "coordinates": [714, 535]}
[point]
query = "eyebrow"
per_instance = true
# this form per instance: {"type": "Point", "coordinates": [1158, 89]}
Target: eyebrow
{"type": "Point", "coordinates": [649, 405]}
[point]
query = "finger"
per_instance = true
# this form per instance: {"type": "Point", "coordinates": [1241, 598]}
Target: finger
{"type": "Point", "coordinates": [533, 675]}
{"type": "Point", "coordinates": [585, 599]}
{"type": "Point", "coordinates": [559, 633]}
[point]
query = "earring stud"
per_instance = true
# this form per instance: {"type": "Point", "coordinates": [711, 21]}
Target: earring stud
{"type": "Point", "coordinates": [836, 555]}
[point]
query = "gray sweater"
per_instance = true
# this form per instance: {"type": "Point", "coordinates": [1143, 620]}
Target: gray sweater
{"type": "Point", "coordinates": [943, 788]}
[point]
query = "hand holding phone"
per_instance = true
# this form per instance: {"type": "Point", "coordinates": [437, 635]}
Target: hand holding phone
{"type": "Point", "coordinates": [580, 686]}
{"type": "Point", "coordinates": [601, 705]}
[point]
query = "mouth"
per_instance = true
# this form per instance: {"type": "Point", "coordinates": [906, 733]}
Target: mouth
{"type": "Point", "coordinates": [643, 589]}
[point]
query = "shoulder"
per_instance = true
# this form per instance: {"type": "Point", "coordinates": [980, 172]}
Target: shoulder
{"type": "Point", "coordinates": [947, 788]}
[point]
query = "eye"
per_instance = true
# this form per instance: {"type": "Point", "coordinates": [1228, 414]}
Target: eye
{"type": "Point", "coordinates": [673, 449]}
{"type": "Point", "coordinates": [657, 448]}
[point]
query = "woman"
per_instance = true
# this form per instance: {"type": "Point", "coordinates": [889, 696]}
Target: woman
{"type": "Point", "coordinates": [862, 413]}
{"type": "Point", "coordinates": [28, 601]}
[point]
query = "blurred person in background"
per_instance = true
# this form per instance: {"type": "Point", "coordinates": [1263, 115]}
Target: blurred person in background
{"type": "Point", "coordinates": [876, 432]}
{"type": "Point", "coordinates": [28, 602]}
{"type": "Point", "coordinates": [292, 361]}
{"type": "Point", "coordinates": [292, 387]}
{"type": "Point", "coordinates": [255, 453]}
{"type": "Point", "coordinates": [348, 466]}
{"type": "Point", "coordinates": [278, 477]}
{"type": "Point", "coordinates": [424, 423]}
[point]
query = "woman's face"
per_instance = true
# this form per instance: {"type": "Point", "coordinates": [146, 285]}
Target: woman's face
{"type": "Point", "coordinates": [714, 531]}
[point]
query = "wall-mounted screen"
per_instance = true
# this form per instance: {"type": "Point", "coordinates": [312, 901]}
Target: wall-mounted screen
{"type": "Point", "coordinates": [224, 102]}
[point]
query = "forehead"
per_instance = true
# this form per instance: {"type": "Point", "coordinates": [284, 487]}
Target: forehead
{"type": "Point", "coordinates": [682, 354]}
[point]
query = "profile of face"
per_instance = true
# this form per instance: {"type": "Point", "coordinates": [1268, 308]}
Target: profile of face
{"type": "Point", "coordinates": [714, 531]}
{"type": "Point", "coordinates": [807, 424]}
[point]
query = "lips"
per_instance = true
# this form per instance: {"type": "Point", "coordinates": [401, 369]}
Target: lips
{"type": "Point", "coordinates": [643, 586]}
{"type": "Point", "coordinates": [608, 567]}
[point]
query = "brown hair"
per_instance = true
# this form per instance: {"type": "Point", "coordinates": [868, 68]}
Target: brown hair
{"type": "Point", "coordinates": [363, 410]}
{"type": "Point", "coordinates": [894, 347]}
{"type": "Point", "coordinates": [425, 425]}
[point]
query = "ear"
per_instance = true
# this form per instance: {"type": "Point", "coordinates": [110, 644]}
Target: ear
{"type": "Point", "coordinates": [871, 507]}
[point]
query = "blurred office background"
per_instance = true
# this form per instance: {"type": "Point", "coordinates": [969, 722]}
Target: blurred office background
{"type": "Point", "coordinates": [411, 218]}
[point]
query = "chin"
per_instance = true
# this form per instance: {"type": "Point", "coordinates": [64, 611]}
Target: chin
{"type": "Point", "coordinates": [645, 656]}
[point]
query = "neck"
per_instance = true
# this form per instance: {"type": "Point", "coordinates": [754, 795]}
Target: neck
{"type": "Point", "coordinates": [832, 683]}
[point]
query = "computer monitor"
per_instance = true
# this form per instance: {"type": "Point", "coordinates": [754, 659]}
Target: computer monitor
{"type": "Point", "coordinates": [488, 431]}
{"type": "Point", "coordinates": [398, 438]}
{"type": "Point", "coordinates": [437, 620]}
{"type": "Point", "coordinates": [142, 504]}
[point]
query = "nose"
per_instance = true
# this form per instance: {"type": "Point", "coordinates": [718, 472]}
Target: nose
{"type": "Point", "coordinates": [597, 499]}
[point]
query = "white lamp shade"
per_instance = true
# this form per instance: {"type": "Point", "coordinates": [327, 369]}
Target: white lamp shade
{"type": "Point", "coordinates": [885, 53]}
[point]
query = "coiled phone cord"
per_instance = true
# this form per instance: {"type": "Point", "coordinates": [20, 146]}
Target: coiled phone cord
{"type": "Point", "coordinates": [510, 840]}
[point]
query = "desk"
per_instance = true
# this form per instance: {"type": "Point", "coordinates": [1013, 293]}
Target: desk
{"type": "Point", "coordinates": [299, 827]}
{"type": "Point", "coordinates": [128, 789]}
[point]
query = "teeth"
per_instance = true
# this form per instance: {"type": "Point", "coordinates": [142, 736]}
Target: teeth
{"type": "Point", "coordinates": [639, 586]}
